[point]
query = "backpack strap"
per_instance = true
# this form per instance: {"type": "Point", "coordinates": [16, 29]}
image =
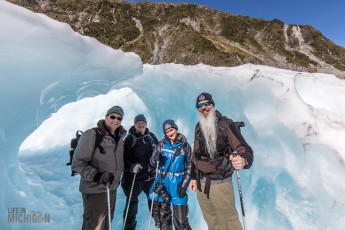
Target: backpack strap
{"type": "Point", "coordinates": [153, 137]}
{"type": "Point", "coordinates": [223, 130]}
{"type": "Point", "coordinates": [99, 138]}
{"type": "Point", "coordinates": [150, 135]}
{"type": "Point", "coordinates": [161, 146]}
{"type": "Point", "coordinates": [233, 141]}
{"type": "Point", "coordinates": [74, 143]}
{"type": "Point", "coordinates": [134, 138]}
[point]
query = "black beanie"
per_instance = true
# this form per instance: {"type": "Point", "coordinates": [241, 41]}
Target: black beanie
{"type": "Point", "coordinates": [115, 109]}
{"type": "Point", "coordinates": [140, 117]}
{"type": "Point", "coordinates": [169, 124]}
{"type": "Point", "coordinates": [205, 96]}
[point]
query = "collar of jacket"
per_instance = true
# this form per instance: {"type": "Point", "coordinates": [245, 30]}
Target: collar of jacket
{"type": "Point", "coordinates": [133, 131]}
{"type": "Point", "coordinates": [218, 115]}
{"type": "Point", "coordinates": [177, 142]}
{"type": "Point", "coordinates": [101, 125]}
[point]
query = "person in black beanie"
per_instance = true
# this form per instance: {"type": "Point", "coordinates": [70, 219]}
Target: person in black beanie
{"type": "Point", "coordinates": [216, 139]}
{"type": "Point", "coordinates": [138, 148]}
{"type": "Point", "coordinates": [100, 166]}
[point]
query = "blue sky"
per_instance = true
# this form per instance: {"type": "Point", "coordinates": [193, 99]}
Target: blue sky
{"type": "Point", "coordinates": [326, 16]}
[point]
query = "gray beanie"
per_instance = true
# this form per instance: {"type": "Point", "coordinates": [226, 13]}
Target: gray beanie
{"type": "Point", "coordinates": [169, 124]}
{"type": "Point", "coordinates": [115, 109]}
{"type": "Point", "coordinates": [205, 96]}
{"type": "Point", "coordinates": [140, 117]}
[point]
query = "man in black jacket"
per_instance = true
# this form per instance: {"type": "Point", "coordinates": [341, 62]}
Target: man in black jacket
{"type": "Point", "coordinates": [138, 148]}
{"type": "Point", "coordinates": [216, 139]}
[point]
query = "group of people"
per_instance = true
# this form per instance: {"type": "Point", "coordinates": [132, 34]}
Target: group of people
{"type": "Point", "coordinates": [162, 169]}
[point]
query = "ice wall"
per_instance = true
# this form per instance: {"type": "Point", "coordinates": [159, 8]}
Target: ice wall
{"type": "Point", "coordinates": [54, 81]}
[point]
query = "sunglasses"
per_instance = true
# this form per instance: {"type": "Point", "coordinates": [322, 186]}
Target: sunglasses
{"type": "Point", "coordinates": [115, 117]}
{"type": "Point", "coordinates": [199, 106]}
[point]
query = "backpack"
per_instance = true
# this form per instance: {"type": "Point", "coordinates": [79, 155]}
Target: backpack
{"type": "Point", "coordinates": [134, 138]}
{"type": "Point", "coordinates": [74, 143]}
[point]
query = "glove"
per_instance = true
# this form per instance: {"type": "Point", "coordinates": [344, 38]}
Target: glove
{"type": "Point", "coordinates": [182, 138]}
{"type": "Point", "coordinates": [182, 192]}
{"type": "Point", "coordinates": [136, 168]}
{"type": "Point", "coordinates": [104, 178]}
{"type": "Point", "coordinates": [157, 157]}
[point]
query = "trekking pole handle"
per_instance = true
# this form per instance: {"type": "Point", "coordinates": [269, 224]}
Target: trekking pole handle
{"type": "Point", "coordinates": [234, 153]}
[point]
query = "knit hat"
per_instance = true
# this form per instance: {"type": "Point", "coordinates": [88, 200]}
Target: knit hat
{"type": "Point", "coordinates": [140, 117]}
{"type": "Point", "coordinates": [205, 96]}
{"type": "Point", "coordinates": [167, 124]}
{"type": "Point", "coordinates": [115, 109]}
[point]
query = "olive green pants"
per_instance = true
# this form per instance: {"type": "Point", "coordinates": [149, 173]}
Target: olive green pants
{"type": "Point", "coordinates": [219, 211]}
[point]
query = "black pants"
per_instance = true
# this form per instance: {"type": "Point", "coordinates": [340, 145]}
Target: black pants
{"type": "Point", "coordinates": [180, 219]}
{"type": "Point", "coordinates": [139, 186]}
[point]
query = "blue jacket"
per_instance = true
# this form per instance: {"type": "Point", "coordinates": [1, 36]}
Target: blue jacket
{"type": "Point", "coordinates": [179, 173]}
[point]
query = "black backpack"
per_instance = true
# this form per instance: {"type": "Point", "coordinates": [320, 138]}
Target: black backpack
{"type": "Point", "coordinates": [74, 143]}
{"type": "Point", "coordinates": [134, 138]}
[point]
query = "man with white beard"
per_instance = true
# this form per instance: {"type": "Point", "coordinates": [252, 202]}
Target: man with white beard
{"type": "Point", "coordinates": [216, 139]}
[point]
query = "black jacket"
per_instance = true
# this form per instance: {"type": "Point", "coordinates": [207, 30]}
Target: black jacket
{"type": "Point", "coordinates": [139, 153]}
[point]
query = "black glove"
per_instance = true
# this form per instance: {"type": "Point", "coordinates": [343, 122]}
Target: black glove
{"type": "Point", "coordinates": [157, 157]}
{"type": "Point", "coordinates": [182, 138]}
{"type": "Point", "coordinates": [136, 168]}
{"type": "Point", "coordinates": [104, 178]}
{"type": "Point", "coordinates": [182, 192]}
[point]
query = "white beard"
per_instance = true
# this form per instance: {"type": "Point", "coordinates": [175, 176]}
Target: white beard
{"type": "Point", "coordinates": [208, 128]}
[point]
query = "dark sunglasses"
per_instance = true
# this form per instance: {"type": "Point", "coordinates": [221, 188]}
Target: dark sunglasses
{"type": "Point", "coordinates": [207, 103]}
{"type": "Point", "coordinates": [115, 117]}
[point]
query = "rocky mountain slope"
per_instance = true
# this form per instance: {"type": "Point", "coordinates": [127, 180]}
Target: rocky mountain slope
{"type": "Point", "coordinates": [191, 34]}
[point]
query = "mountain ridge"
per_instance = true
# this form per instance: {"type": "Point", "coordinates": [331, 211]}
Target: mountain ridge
{"type": "Point", "coordinates": [191, 34]}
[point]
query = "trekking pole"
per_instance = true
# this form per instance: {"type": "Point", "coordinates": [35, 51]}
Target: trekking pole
{"type": "Point", "coordinates": [109, 211]}
{"type": "Point", "coordinates": [153, 195]}
{"type": "Point", "coordinates": [129, 200]}
{"type": "Point", "coordinates": [241, 199]}
{"type": "Point", "coordinates": [241, 196]}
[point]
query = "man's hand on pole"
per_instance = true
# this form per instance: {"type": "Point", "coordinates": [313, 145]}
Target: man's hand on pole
{"type": "Point", "coordinates": [237, 162]}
